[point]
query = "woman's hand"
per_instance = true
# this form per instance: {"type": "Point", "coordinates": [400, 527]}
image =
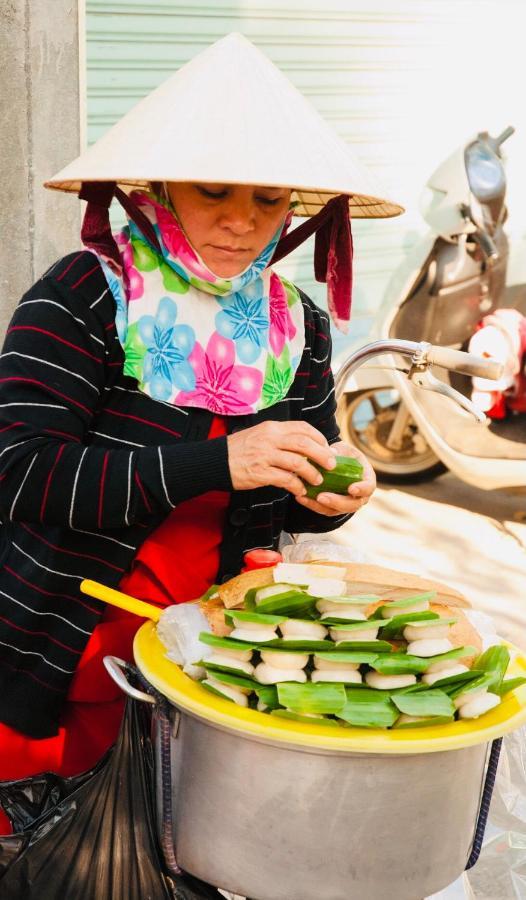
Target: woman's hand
{"type": "Point", "coordinates": [359, 493]}
{"type": "Point", "coordinates": [275, 453]}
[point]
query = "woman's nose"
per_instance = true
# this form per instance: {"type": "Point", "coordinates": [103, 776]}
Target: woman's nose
{"type": "Point", "coordinates": [238, 216]}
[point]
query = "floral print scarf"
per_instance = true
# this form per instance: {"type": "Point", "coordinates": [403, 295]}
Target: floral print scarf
{"type": "Point", "coordinates": [191, 338]}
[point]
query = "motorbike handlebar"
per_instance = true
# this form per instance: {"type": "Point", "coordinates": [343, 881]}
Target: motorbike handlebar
{"type": "Point", "coordinates": [464, 363]}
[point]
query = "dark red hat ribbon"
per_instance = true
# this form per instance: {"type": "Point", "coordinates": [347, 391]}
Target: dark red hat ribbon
{"type": "Point", "coordinates": [96, 229]}
{"type": "Point", "coordinates": [333, 254]}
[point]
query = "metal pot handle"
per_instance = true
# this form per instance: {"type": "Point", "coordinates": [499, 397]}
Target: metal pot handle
{"type": "Point", "coordinates": [116, 669]}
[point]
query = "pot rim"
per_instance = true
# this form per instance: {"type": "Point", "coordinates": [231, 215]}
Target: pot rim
{"type": "Point", "coordinates": [188, 696]}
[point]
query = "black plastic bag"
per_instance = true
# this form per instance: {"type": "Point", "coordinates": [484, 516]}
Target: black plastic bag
{"type": "Point", "coordinates": [92, 837]}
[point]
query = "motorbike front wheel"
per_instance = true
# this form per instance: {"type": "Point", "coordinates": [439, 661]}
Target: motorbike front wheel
{"type": "Point", "coordinates": [379, 424]}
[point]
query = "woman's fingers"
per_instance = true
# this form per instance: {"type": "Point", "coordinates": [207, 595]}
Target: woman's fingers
{"type": "Point", "coordinates": [333, 504]}
{"type": "Point", "coordinates": [298, 465]}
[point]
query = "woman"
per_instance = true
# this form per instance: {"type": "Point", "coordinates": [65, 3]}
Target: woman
{"type": "Point", "coordinates": [164, 394]}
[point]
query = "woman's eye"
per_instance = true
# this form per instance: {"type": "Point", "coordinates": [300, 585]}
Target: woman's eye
{"type": "Point", "coordinates": [268, 202]}
{"type": "Point", "coordinates": [212, 195]}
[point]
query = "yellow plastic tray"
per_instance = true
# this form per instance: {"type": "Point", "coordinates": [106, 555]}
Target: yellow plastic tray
{"type": "Point", "coordinates": [188, 695]}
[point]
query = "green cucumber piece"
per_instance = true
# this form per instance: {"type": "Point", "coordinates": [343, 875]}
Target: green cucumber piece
{"type": "Point", "coordinates": [362, 625]}
{"type": "Point", "coordinates": [219, 667]}
{"type": "Point", "coordinates": [407, 602]}
{"type": "Point", "coordinates": [297, 717]}
{"type": "Point", "coordinates": [494, 661]}
{"type": "Point", "coordinates": [394, 627]}
{"type": "Point", "coordinates": [210, 593]}
{"type": "Point", "coordinates": [349, 656]}
{"type": "Point", "coordinates": [293, 604]}
{"type": "Point", "coordinates": [510, 685]}
{"type": "Point", "coordinates": [461, 678]}
{"type": "Point", "coordinates": [216, 691]}
{"type": "Point", "coordinates": [225, 643]}
{"type": "Point", "coordinates": [304, 645]}
{"type": "Point", "coordinates": [347, 471]}
{"type": "Point", "coordinates": [367, 708]}
{"type": "Point", "coordinates": [316, 698]}
{"type": "Point", "coordinates": [248, 616]}
{"type": "Point", "coordinates": [268, 694]}
{"type": "Point", "coordinates": [479, 680]}
{"type": "Point", "coordinates": [424, 703]}
{"type": "Point", "coordinates": [242, 681]}
{"type": "Point", "coordinates": [426, 721]}
{"type": "Point", "coordinates": [400, 664]}
{"type": "Point", "coordinates": [456, 653]}
{"type": "Point", "coordinates": [331, 620]}
{"type": "Point", "coordinates": [353, 600]}
{"type": "Point", "coordinates": [373, 646]}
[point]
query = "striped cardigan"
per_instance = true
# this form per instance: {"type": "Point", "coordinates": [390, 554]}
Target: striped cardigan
{"type": "Point", "coordinates": [90, 466]}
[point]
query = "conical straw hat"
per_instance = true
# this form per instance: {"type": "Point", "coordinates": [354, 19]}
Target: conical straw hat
{"type": "Point", "coordinates": [230, 116]}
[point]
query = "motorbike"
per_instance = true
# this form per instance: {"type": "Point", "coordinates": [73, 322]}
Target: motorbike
{"type": "Point", "coordinates": [402, 417]}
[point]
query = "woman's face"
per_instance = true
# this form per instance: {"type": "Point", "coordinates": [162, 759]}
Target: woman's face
{"type": "Point", "coordinates": [228, 224]}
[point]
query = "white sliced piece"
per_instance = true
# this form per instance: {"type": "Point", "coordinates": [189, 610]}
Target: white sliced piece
{"type": "Point", "coordinates": [433, 647]}
{"type": "Point", "coordinates": [230, 662]}
{"type": "Point", "coordinates": [280, 659]}
{"type": "Point", "coordinates": [228, 690]}
{"type": "Point", "coordinates": [328, 664]}
{"type": "Point", "coordinates": [305, 573]}
{"type": "Point", "coordinates": [344, 674]}
{"type": "Point", "coordinates": [273, 590]}
{"type": "Point", "coordinates": [368, 634]}
{"type": "Point", "coordinates": [468, 696]}
{"type": "Point", "coordinates": [326, 587]}
{"type": "Point", "coordinates": [252, 626]}
{"type": "Point", "coordinates": [405, 719]}
{"type": "Point", "coordinates": [387, 682]}
{"type": "Point", "coordinates": [266, 674]}
{"type": "Point", "coordinates": [300, 628]}
{"type": "Point", "coordinates": [391, 610]}
{"type": "Point", "coordinates": [479, 706]}
{"type": "Point", "coordinates": [254, 635]}
{"type": "Point", "coordinates": [331, 606]}
{"type": "Point", "coordinates": [454, 669]}
{"type": "Point", "coordinates": [440, 665]}
{"type": "Point", "coordinates": [261, 707]}
{"type": "Point", "coordinates": [428, 632]}
{"type": "Point", "coordinates": [244, 655]}
{"type": "Point", "coordinates": [351, 613]}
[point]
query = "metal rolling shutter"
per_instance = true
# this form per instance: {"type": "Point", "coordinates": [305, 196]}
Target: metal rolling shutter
{"type": "Point", "coordinates": [403, 83]}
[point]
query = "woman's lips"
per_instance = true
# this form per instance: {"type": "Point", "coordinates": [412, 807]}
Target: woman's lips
{"type": "Point", "coordinates": [229, 251]}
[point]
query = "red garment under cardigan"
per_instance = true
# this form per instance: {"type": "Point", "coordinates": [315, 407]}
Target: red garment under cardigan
{"type": "Point", "coordinates": [92, 714]}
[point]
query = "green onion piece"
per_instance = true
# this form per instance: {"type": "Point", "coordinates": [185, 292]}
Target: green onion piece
{"type": "Point", "coordinates": [368, 708]}
{"type": "Point", "coordinates": [349, 656]}
{"type": "Point", "coordinates": [213, 640]}
{"type": "Point", "coordinates": [400, 664]}
{"type": "Point", "coordinates": [300, 644]}
{"type": "Point", "coordinates": [297, 717]}
{"type": "Point", "coordinates": [426, 721]}
{"type": "Point", "coordinates": [395, 626]}
{"type": "Point", "coordinates": [373, 646]}
{"type": "Point", "coordinates": [244, 615]}
{"type": "Point", "coordinates": [510, 685]}
{"type": "Point", "coordinates": [424, 703]}
{"type": "Point", "coordinates": [494, 662]}
{"type": "Point", "coordinates": [316, 698]}
{"type": "Point", "coordinates": [236, 680]}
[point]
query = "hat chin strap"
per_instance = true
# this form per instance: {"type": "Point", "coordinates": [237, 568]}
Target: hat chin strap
{"type": "Point", "coordinates": [96, 229]}
{"type": "Point", "coordinates": [333, 254]}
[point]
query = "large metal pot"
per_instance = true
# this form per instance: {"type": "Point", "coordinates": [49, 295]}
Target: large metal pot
{"type": "Point", "coordinates": [289, 823]}
{"type": "Point", "coordinates": [276, 810]}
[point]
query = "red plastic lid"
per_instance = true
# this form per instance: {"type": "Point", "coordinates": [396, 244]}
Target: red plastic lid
{"type": "Point", "coordinates": [261, 559]}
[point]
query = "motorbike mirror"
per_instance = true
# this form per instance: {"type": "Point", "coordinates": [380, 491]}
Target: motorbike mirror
{"type": "Point", "coordinates": [487, 182]}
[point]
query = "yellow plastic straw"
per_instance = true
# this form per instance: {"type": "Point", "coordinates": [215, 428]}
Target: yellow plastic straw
{"type": "Point", "coordinates": [123, 601]}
